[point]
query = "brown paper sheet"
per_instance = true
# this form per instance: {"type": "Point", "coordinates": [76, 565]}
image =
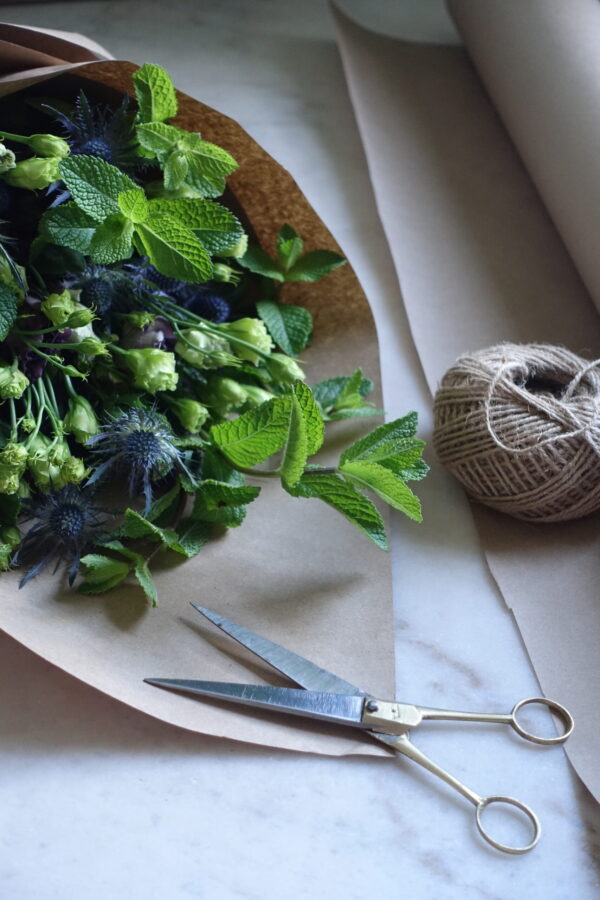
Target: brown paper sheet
{"type": "Point", "coordinates": [295, 571]}
{"type": "Point", "coordinates": [480, 261]}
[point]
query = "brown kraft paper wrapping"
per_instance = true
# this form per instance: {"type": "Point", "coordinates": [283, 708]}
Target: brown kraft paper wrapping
{"type": "Point", "coordinates": [480, 261]}
{"type": "Point", "coordinates": [296, 571]}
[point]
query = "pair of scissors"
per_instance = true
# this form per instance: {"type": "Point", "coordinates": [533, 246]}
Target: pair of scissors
{"type": "Point", "coordinates": [325, 696]}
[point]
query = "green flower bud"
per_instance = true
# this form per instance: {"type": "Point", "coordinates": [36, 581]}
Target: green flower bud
{"type": "Point", "coordinates": [59, 307]}
{"type": "Point", "coordinates": [207, 352]}
{"type": "Point", "coordinates": [12, 383]}
{"type": "Point", "coordinates": [92, 346]}
{"type": "Point", "coordinates": [24, 490]}
{"type": "Point", "coordinates": [226, 395]}
{"type": "Point", "coordinates": [10, 535]}
{"type": "Point", "coordinates": [224, 273]}
{"type": "Point", "coordinates": [27, 424]}
{"type": "Point", "coordinates": [80, 317]}
{"type": "Point", "coordinates": [48, 145]}
{"type": "Point", "coordinates": [256, 395]}
{"type": "Point", "coordinates": [9, 479]}
{"type": "Point", "coordinates": [5, 557]}
{"type": "Point", "coordinates": [284, 369]}
{"type": "Point", "coordinates": [7, 159]}
{"type": "Point", "coordinates": [73, 471]}
{"type": "Point", "coordinates": [153, 370]}
{"type": "Point", "coordinates": [45, 462]}
{"type": "Point", "coordinates": [80, 420]}
{"type": "Point", "coordinates": [35, 173]}
{"type": "Point", "coordinates": [238, 250]}
{"type": "Point", "coordinates": [251, 331]}
{"type": "Point", "coordinates": [59, 453]}
{"type": "Point", "coordinates": [7, 276]}
{"type": "Point", "coordinates": [190, 413]}
{"type": "Point", "coordinates": [14, 455]}
{"type": "Point", "coordinates": [138, 319]}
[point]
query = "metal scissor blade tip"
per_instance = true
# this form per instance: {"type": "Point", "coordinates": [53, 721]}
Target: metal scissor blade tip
{"type": "Point", "coordinates": [213, 617]}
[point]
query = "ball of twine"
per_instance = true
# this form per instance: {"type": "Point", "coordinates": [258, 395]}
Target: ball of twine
{"type": "Point", "coordinates": [519, 426]}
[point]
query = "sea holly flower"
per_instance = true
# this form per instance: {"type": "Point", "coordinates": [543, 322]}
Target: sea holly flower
{"type": "Point", "coordinates": [34, 173]}
{"type": "Point", "coordinates": [141, 444]}
{"type": "Point", "coordinates": [153, 370]}
{"type": "Point", "coordinates": [64, 524]}
{"type": "Point", "coordinates": [208, 306]}
{"type": "Point", "coordinates": [248, 331]}
{"type": "Point", "coordinates": [7, 159]}
{"type": "Point", "coordinates": [100, 131]}
{"type": "Point", "coordinates": [190, 413]}
{"type": "Point", "coordinates": [12, 382]}
{"type": "Point", "coordinates": [204, 351]}
{"type": "Point", "coordinates": [80, 420]}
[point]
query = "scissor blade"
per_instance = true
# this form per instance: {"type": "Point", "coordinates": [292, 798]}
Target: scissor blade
{"type": "Point", "coordinates": [298, 669]}
{"type": "Point", "coordinates": [344, 709]}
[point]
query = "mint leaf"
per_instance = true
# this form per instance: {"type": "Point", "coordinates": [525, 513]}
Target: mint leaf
{"type": "Point", "coordinates": [344, 498]}
{"type": "Point", "coordinates": [159, 138]}
{"type": "Point", "coordinates": [314, 265]}
{"type": "Point", "coordinates": [255, 435]}
{"type": "Point", "coordinates": [328, 393]}
{"type": "Point", "coordinates": [381, 442]}
{"type": "Point", "coordinates": [289, 326]}
{"type": "Point", "coordinates": [142, 573]}
{"type": "Point", "coordinates": [68, 226]}
{"type": "Point", "coordinates": [216, 468]}
{"type": "Point", "coordinates": [213, 224]}
{"type": "Point", "coordinates": [192, 536]}
{"type": "Point", "coordinates": [94, 184]}
{"type": "Point", "coordinates": [256, 260]}
{"type": "Point", "coordinates": [112, 240]}
{"type": "Point", "coordinates": [296, 447]}
{"type": "Point", "coordinates": [315, 429]}
{"type": "Point", "coordinates": [164, 504]}
{"type": "Point", "coordinates": [134, 205]}
{"type": "Point", "coordinates": [289, 247]}
{"type": "Point", "coordinates": [383, 482]}
{"type": "Point", "coordinates": [102, 574]}
{"type": "Point", "coordinates": [155, 93]}
{"type": "Point", "coordinates": [175, 170]}
{"type": "Point", "coordinates": [223, 503]}
{"type": "Point", "coordinates": [8, 309]}
{"type": "Point", "coordinates": [174, 250]}
{"type": "Point", "coordinates": [205, 159]}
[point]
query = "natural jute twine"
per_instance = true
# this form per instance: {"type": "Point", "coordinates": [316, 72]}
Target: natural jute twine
{"type": "Point", "coordinates": [519, 426]}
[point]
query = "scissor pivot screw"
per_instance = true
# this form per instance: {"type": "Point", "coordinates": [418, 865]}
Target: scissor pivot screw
{"type": "Point", "coordinates": [372, 706]}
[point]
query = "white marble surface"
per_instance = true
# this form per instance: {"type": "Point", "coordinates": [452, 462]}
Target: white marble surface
{"type": "Point", "coordinates": [99, 801]}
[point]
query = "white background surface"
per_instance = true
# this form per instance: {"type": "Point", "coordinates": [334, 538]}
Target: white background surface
{"type": "Point", "coordinates": [98, 801]}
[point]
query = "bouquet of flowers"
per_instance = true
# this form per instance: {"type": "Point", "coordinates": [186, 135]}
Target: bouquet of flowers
{"type": "Point", "coordinates": [150, 359]}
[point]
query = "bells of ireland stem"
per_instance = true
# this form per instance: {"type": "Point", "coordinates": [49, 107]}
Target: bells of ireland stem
{"type": "Point", "coordinates": [284, 369]}
{"type": "Point", "coordinates": [12, 382]}
{"type": "Point", "coordinates": [204, 351]}
{"type": "Point", "coordinates": [190, 413]}
{"type": "Point", "coordinates": [80, 420]}
{"type": "Point", "coordinates": [35, 174]}
{"type": "Point", "coordinates": [153, 370]}
{"type": "Point", "coordinates": [49, 145]}
{"type": "Point", "coordinates": [250, 331]}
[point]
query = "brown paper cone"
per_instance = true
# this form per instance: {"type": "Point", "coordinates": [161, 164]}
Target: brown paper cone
{"type": "Point", "coordinates": [295, 571]}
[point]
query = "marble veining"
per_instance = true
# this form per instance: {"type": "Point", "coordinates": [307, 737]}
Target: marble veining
{"type": "Point", "coordinates": [100, 801]}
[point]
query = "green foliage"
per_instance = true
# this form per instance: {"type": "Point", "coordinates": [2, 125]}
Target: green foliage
{"type": "Point", "coordinates": [344, 397]}
{"type": "Point", "coordinates": [290, 266]}
{"type": "Point", "coordinates": [289, 326]}
{"type": "Point", "coordinates": [155, 94]}
{"type": "Point", "coordinates": [8, 309]}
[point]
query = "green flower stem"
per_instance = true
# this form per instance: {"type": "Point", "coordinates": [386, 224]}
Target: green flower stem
{"type": "Point", "coordinates": [17, 138]}
{"type": "Point", "coordinates": [50, 391]}
{"type": "Point", "coordinates": [69, 385]}
{"type": "Point", "coordinates": [51, 359]}
{"type": "Point", "coordinates": [276, 473]}
{"type": "Point", "coordinates": [50, 412]}
{"type": "Point", "coordinates": [26, 334]}
{"type": "Point", "coordinates": [13, 420]}
{"type": "Point", "coordinates": [39, 419]}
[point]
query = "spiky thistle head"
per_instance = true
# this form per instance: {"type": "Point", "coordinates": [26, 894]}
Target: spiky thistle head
{"type": "Point", "coordinates": [96, 130]}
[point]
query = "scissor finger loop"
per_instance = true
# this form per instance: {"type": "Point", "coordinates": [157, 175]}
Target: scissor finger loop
{"type": "Point", "coordinates": [483, 804]}
{"type": "Point", "coordinates": [557, 708]}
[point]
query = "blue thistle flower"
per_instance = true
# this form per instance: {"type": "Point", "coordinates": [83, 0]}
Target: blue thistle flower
{"type": "Point", "coordinates": [209, 306]}
{"type": "Point", "coordinates": [101, 131]}
{"type": "Point", "coordinates": [65, 522]}
{"type": "Point", "coordinates": [139, 442]}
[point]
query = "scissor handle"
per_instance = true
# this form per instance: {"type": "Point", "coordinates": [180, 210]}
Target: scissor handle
{"type": "Point", "coordinates": [563, 714]}
{"type": "Point", "coordinates": [484, 802]}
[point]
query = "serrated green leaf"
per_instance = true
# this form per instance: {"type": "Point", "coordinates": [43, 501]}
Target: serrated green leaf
{"type": "Point", "coordinates": [289, 326]}
{"type": "Point", "coordinates": [134, 205]}
{"type": "Point", "coordinates": [359, 412]}
{"type": "Point", "coordinates": [102, 574]}
{"type": "Point", "coordinates": [142, 573]}
{"type": "Point", "coordinates": [396, 436]}
{"type": "Point", "coordinates": [289, 247]}
{"type": "Point", "coordinates": [384, 483]}
{"type": "Point", "coordinates": [216, 468]}
{"type": "Point", "coordinates": [350, 396]}
{"type": "Point", "coordinates": [295, 451]}
{"type": "Point", "coordinates": [255, 435]}
{"type": "Point", "coordinates": [8, 309]}
{"type": "Point", "coordinates": [112, 240]}
{"type": "Point", "coordinates": [344, 498]}
{"type": "Point", "coordinates": [160, 138]}
{"type": "Point", "coordinates": [315, 428]}
{"type": "Point", "coordinates": [256, 260]}
{"type": "Point", "coordinates": [175, 170]}
{"type": "Point", "coordinates": [205, 159]}
{"type": "Point", "coordinates": [155, 93]}
{"type": "Point", "coordinates": [413, 471]}
{"type": "Point", "coordinates": [314, 265]}
{"type": "Point", "coordinates": [212, 494]}
{"type": "Point", "coordinates": [193, 535]}
{"type": "Point", "coordinates": [68, 226]}
{"type": "Point", "coordinates": [94, 184]}
{"type": "Point", "coordinates": [327, 393]}
{"type": "Point", "coordinates": [214, 225]}
{"type": "Point", "coordinates": [164, 504]}
{"type": "Point", "coordinates": [174, 250]}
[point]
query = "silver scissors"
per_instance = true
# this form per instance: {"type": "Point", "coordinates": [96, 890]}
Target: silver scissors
{"type": "Point", "coordinates": [327, 697]}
